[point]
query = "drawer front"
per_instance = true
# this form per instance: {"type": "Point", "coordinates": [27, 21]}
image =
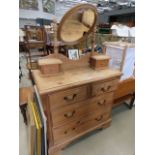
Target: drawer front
{"type": "Point", "coordinates": [67, 97]}
{"type": "Point", "coordinates": [79, 126]}
{"type": "Point", "coordinates": [101, 87]}
{"type": "Point", "coordinates": [102, 63]}
{"type": "Point", "coordinates": [36, 45]}
{"type": "Point", "coordinates": [69, 113]}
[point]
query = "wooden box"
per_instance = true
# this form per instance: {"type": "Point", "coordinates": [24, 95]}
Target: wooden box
{"type": "Point", "coordinates": [49, 66]}
{"type": "Point", "coordinates": [99, 62]}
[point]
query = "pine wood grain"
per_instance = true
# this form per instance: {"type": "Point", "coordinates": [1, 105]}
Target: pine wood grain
{"type": "Point", "coordinates": [70, 78]}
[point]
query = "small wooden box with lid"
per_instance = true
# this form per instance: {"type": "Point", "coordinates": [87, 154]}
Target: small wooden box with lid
{"type": "Point", "coordinates": [49, 66]}
{"type": "Point", "coordinates": [99, 62]}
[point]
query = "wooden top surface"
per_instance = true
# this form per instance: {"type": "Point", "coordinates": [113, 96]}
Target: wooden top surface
{"type": "Point", "coordinates": [119, 44]}
{"type": "Point", "coordinates": [70, 78]}
{"type": "Point", "coordinates": [49, 61]}
{"type": "Point", "coordinates": [100, 57]}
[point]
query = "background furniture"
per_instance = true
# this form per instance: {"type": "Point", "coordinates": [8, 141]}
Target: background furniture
{"type": "Point", "coordinates": [23, 100]}
{"type": "Point", "coordinates": [125, 91]}
{"type": "Point", "coordinates": [50, 40]}
{"type": "Point", "coordinates": [123, 58]}
{"type": "Point", "coordinates": [20, 71]}
{"type": "Point", "coordinates": [35, 40]}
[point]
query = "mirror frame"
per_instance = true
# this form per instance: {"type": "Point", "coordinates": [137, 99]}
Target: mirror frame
{"type": "Point", "coordinates": [73, 11]}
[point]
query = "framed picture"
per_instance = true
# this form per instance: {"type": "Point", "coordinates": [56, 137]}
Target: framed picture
{"type": "Point", "coordinates": [49, 6]}
{"type": "Point", "coordinates": [73, 54]}
{"type": "Point", "coordinates": [28, 4]}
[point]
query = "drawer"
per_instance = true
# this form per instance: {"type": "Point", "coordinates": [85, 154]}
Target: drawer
{"type": "Point", "coordinates": [66, 97]}
{"type": "Point", "coordinates": [69, 113]}
{"type": "Point", "coordinates": [79, 126]}
{"type": "Point", "coordinates": [104, 86]}
{"type": "Point", "coordinates": [35, 45]}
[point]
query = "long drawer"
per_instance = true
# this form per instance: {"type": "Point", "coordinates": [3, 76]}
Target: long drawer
{"type": "Point", "coordinates": [66, 97]}
{"type": "Point", "coordinates": [69, 113]}
{"type": "Point", "coordinates": [74, 128]}
{"type": "Point", "coordinates": [102, 87]}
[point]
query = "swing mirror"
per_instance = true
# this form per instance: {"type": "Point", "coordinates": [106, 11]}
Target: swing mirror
{"type": "Point", "coordinates": [77, 24]}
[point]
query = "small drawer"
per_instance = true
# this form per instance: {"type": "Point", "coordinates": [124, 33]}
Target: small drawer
{"type": "Point", "coordinates": [35, 45]}
{"type": "Point", "coordinates": [104, 86]}
{"type": "Point", "coordinates": [64, 115]}
{"type": "Point", "coordinates": [69, 113]}
{"type": "Point", "coordinates": [66, 97]}
{"type": "Point", "coordinates": [79, 126]}
{"type": "Point", "coordinates": [103, 103]}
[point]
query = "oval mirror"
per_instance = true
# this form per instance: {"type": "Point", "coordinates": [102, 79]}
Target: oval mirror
{"type": "Point", "coordinates": [77, 24]}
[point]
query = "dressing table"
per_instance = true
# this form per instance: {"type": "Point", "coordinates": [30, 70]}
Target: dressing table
{"type": "Point", "coordinates": [76, 97]}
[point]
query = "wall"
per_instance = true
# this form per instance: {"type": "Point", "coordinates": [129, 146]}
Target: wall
{"type": "Point", "coordinates": [29, 16]}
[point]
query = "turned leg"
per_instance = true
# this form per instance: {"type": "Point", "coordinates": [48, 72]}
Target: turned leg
{"type": "Point", "coordinates": [132, 101]}
{"type": "Point", "coordinates": [23, 109]}
{"type": "Point", "coordinates": [30, 58]}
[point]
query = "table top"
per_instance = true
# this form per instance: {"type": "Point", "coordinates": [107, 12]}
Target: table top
{"type": "Point", "coordinates": [57, 43]}
{"type": "Point", "coordinates": [119, 44]}
{"type": "Point", "coordinates": [70, 78]}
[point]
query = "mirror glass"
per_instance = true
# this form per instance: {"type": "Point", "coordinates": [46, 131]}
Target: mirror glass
{"type": "Point", "coordinates": [77, 23]}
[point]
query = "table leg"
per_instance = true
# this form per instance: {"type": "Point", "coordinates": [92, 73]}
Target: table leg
{"type": "Point", "coordinates": [23, 109]}
{"type": "Point", "coordinates": [132, 101]}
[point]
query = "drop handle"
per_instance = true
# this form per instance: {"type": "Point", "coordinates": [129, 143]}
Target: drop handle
{"type": "Point", "coordinates": [80, 122]}
{"type": "Point", "coordinates": [70, 114]}
{"type": "Point", "coordinates": [105, 89]}
{"type": "Point", "coordinates": [65, 132]}
{"type": "Point", "coordinates": [70, 98]}
{"type": "Point", "coordinates": [101, 102]}
{"type": "Point", "coordinates": [99, 118]}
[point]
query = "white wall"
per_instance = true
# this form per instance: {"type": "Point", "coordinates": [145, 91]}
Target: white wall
{"type": "Point", "coordinates": [26, 16]}
{"type": "Point", "coordinates": [23, 22]}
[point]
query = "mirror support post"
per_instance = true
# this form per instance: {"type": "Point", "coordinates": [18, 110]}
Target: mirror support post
{"type": "Point", "coordinates": [93, 42]}
{"type": "Point", "coordinates": [55, 37]}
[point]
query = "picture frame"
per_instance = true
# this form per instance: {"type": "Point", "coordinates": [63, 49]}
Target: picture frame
{"type": "Point", "coordinates": [49, 6]}
{"type": "Point", "coordinates": [29, 4]}
{"type": "Point", "coordinates": [73, 54]}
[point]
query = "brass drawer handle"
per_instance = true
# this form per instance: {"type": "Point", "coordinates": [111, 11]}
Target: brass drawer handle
{"type": "Point", "coordinates": [69, 114]}
{"type": "Point", "coordinates": [99, 118]}
{"type": "Point", "coordinates": [70, 98]}
{"type": "Point", "coordinates": [73, 128]}
{"type": "Point", "coordinates": [107, 89]}
{"type": "Point", "coordinates": [101, 102]}
{"type": "Point", "coordinates": [78, 122]}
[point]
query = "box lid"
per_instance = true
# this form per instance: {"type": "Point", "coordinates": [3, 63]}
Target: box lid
{"type": "Point", "coordinates": [100, 57]}
{"type": "Point", "coordinates": [49, 61]}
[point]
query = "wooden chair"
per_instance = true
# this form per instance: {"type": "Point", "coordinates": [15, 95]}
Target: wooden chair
{"type": "Point", "coordinates": [35, 39]}
{"type": "Point", "coordinates": [50, 40]}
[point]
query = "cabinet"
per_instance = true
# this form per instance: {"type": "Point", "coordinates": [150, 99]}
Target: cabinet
{"type": "Point", "coordinates": [76, 101]}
